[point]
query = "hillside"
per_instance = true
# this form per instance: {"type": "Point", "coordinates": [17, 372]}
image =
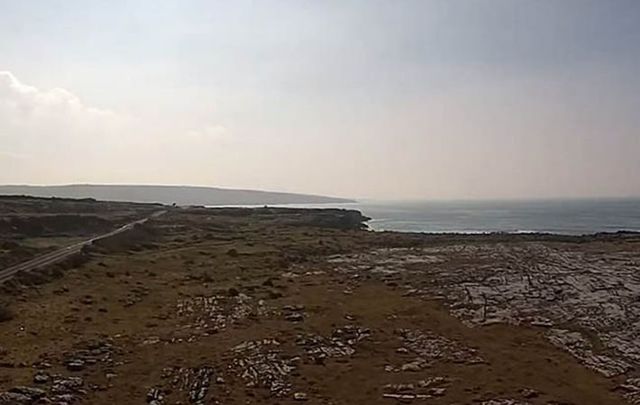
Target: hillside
{"type": "Point", "coordinates": [181, 195]}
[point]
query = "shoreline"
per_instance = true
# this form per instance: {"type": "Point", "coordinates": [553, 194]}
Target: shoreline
{"type": "Point", "coordinates": [562, 217]}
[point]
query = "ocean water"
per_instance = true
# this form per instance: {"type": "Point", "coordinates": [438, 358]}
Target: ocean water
{"type": "Point", "coordinates": [568, 217]}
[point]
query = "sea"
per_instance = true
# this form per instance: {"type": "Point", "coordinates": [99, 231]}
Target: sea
{"type": "Point", "coordinates": [566, 217]}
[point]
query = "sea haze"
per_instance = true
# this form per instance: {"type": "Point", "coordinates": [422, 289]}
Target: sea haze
{"type": "Point", "coordinates": [570, 217]}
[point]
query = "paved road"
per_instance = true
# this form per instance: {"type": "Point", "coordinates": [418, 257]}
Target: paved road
{"type": "Point", "coordinates": [58, 255]}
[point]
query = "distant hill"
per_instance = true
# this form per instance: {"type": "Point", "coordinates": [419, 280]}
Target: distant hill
{"type": "Point", "coordinates": [181, 195]}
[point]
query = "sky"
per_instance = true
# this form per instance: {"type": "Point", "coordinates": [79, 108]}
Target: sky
{"type": "Point", "coordinates": [429, 99]}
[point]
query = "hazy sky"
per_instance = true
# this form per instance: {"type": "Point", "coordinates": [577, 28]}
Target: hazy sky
{"type": "Point", "coordinates": [383, 99]}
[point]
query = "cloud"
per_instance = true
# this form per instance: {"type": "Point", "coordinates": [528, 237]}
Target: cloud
{"type": "Point", "coordinates": [27, 109]}
{"type": "Point", "coordinates": [68, 140]}
{"type": "Point", "coordinates": [62, 135]}
{"type": "Point", "coordinates": [215, 133]}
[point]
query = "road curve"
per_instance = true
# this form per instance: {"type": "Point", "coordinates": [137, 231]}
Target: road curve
{"type": "Point", "coordinates": [61, 254]}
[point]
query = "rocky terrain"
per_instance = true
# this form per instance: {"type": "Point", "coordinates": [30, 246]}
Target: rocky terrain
{"type": "Point", "coordinates": [276, 306]}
